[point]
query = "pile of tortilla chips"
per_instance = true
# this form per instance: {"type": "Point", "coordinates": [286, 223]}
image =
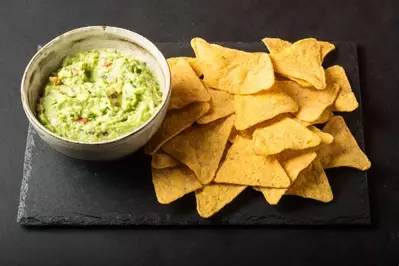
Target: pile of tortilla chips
{"type": "Point", "coordinates": [238, 119]}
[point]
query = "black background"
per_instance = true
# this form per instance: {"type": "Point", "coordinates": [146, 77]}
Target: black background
{"type": "Point", "coordinates": [372, 24]}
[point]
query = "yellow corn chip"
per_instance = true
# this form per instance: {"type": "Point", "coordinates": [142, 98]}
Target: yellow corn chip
{"type": "Point", "coordinates": [276, 45]}
{"type": "Point", "coordinates": [161, 160]}
{"type": "Point", "coordinates": [222, 105]}
{"type": "Point", "coordinates": [186, 86]}
{"type": "Point", "coordinates": [281, 134]}
{"type": "Point", "coordinates": [191, 60]}
{"type": "Point", "coordinates": [213, 197]}
{"type": "Point", "coordinates": [175, 122]}
{"type": "Point", "coordinates": [256, 108]}
{"type": "Point", "coordinates": [293, 163]}
{"type": "Point", "coordinates": [323, 118]}
{"type": "Point", "coordinates": [325, 137]}
{"type": "Point", "coordinates": [302, 60]}
{"type": "Point", "coordinates": [173, 183]}
{"type": "Point", "coordinates": [346, 99]}
{"type": "Point", "coordinates": [311, 102]}
{"type": "Point", "coordinates": [343, 151]}
{"type": "Point", "coordinates": [312, 183]}
{"type": "Point", "coordinates": [326, 48]}
{"type": "Point", "coordinates": [201, 148]}
{"type": "Point", "coordinates": [232, 70]}
{"type": "Point", "coordinates": [251, 76]}
{"type": "Point", "coordinates": [243, 167]}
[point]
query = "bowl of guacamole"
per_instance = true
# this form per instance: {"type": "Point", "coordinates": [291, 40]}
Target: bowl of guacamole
{"type": "Point", "coordinates": [96, 93]}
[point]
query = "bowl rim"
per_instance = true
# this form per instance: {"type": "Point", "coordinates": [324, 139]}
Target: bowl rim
{"type": "Point", "coordinates": [33, 119]}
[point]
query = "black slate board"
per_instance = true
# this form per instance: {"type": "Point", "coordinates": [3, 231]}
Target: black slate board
{"type": "Point", "coordinates": [57, 190]}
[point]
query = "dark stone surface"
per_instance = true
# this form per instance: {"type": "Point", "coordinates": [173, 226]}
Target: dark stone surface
{"type": "Point", "coordinates": [372, 25]}
{"type": "Point", "coordinates": [57, 190]}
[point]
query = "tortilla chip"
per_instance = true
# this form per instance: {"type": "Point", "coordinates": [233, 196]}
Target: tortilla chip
{"type": "Point", "coordinates": [281, 134]}
{"type": "Point", "coordinates": [173, 183]}
{"type": "Point", "coordinates": [276, 45]}
{"type": "Point", "coordinates": [302, 60]}
{"type": "Point", "coordinates": [312, 183]}
{"type": "Point", "coordinates": [191, 60]}
{"type": "Point", "coordinates": [201, 148]}
{"type": "Point", "coordinates": [243, 167]}
{"type": "Point", "coordinates": [232, 70]}
{"type": "Point", "coordinates": [346, 99]}
{"type": "Point", "coordinates": [293, 163]}
{"type": "Point", "coordinates": [325, 137]}
{"type": "Point", "coordinates": [175, 122]}
{"type": "Point", "coordinates": [213, 197]}
{"type": "Point", "coordinates": [251, 76]}
{"type": "Point", "coordinates": [323, 118]}
{"type": "Point", "coordinates": [256, 108]}
{"type": "Point", "coordinates": [161, 160]}
{"type": "Point", "coordinates": [311, 102]}
{"type": "Point", "coordinates": [326, 48]}
{"type": "Point", "coordinates": [222, 105]}
{"type": "Point", "coordinates": [344, 150]}
{"type": "Point", "coordinates": [185, 85]}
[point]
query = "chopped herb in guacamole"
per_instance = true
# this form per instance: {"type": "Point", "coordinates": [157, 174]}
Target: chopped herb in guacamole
{"type": "Point", "coordinates": [99, 95]}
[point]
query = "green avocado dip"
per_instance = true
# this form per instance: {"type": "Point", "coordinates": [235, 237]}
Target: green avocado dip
{"type": "Point", "coordinates": [99, 95]}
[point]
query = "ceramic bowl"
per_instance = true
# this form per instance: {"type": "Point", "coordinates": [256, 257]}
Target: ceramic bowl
{"type": "Point", "coordinates": [49, 58]}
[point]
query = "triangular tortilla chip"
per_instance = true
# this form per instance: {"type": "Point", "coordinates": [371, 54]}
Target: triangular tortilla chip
{"type": "Point", "coordinates": [312, 183]}
{"type": "Point", "coordinates": [302, 60]}
{"type": "Point", "coordinates": [312, 103]}
{"type": "Point", "coordinates": [256, 108]}
{"type": "Point", "coordinates": [280, 134]}
{"type": "Point", "coordinates": [175, 122]}
{"type": "Point", "coordinates": [232, 70]}
{"type": "Point", "coordinates": [346, 99]}
{"type": "Point", "coordinates": [293, 163]}
{"type": "Point", "coordinates": [251, 76]}
{"type": "Point", "coordinates": [323, 118]}
{"type": "Point", "coordinates": [201, 148]}
{"type": "Point", "coordinates": [344, 150]}
{"type": "Point", "coordinates": [243, 167]}
{"type": "Point", "coordinates": [185, 85]}
{"type": "Point", "coordinates": [173, 183]}
{"type": "Point", "coordinates": [191, 60]}
{"type": "Point", "coordinates": [275, 45]}
{"type": "Point", "coordinates": [325, 137]}
{"type": "Point", "coordinates": [195, 65]}
{"type": "Point", "coordinates": [161, 160]}
{"type": "Point", "coordinates": [222, 105]}
{"type": "Point", "coordinates": [213, 197]}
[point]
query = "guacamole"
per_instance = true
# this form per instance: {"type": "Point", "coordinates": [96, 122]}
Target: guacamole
{"type": "Point", "coordinates": [99, 95]}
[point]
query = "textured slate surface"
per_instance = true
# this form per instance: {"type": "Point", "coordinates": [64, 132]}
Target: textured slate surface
{"type": "Point", "coordinates": [57, 190]}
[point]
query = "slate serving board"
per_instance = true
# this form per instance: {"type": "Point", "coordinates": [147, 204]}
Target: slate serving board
{"type": "Point", "coordinates": [57, 190]}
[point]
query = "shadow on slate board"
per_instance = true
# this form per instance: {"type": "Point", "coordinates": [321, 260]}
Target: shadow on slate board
{"type": "Point", "coordinates": [57, 190]}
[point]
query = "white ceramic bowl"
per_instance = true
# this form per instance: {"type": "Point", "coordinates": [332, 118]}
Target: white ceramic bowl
{"type": "Point", "coordinates": [49, 58]}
